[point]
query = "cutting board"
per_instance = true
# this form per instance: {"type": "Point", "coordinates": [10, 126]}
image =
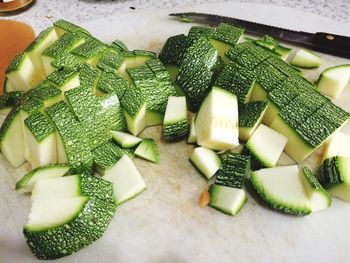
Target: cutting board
{"type": "Point", "coordinates": [165, 223]}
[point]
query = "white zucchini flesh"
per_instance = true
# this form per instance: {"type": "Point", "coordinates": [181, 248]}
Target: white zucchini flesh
{"type": "Point", "coordinates": [126, 179]}
{"type": "Point", "coordinates": [125, 140]}
{"type": "Point", "coordinates": [266, 145]}
{"type": "Point", "coordinates": [59, 187]}
{"type": "Point", "coordinates": [338, 145]}
{"type": "Point", "coordinates": [138, 123]}
{"type": "Point", "coordinates": [332, 81]}
{"type": "Point", "coordinates": [176, 110]}
{"type": "Point", "coordinates": [54, 212]}
{"type": "Point", "coordinates": [72, 83]}
{"type": "Point", "coordinates": [306, 59]}
{"type": "Point", "coordinates": [216, 122]}
{"type": "Point", "coordinates": [27, 182]}
{"type": "Point", "coordinates": [282, 188]}
{"type": "Point", "coordinates": [206, 161]}
{"type": "Point", "coordinates": [227, 199]}
{"type": "Point", "coordinates": [192, 136]}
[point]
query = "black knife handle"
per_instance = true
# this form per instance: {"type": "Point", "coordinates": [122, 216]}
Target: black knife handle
{"type": "Point", "coordinates": [331, 41]}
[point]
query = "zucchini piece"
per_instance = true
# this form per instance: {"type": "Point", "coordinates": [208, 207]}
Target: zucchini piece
{"type": "Point", "coordinates": [59, 49]}
{"type": "Point", "coordinates": [282, 189]}
{"type": "Point", "coordinates": [237, 80]}
{"type": "Point", "coordinates": [8, 87]}
{"type": "Point", "coordinates": [148, 150]}
{"type": "Point", "coordinates": [227, 199]}
{"type": "Point", "coordinates": [249, 57]}
{"type": "Point", "coordinates": [282, 66]}
{"type": "Point", "coordinates": [9, 99]}
{"type": "Point", "coordinates": [110, 61]}
{"type": "Point", "coordinates": [118, 45]}
{"type": "Point", "coordinates": [65, 78]}
{"type": "Point", "coordinates": [66, 60]}
{"type": "Point", "coordinates": [40, 140]}
{"type": "Point", "coordinates": [334, 175]}
{"type": "Point", "coordinates": [44, 40]}
{"type": "Point", "coordinates": [175, 124]}
{"type": "Point", "coordinates": [71, 186]}
{"type": "Point", "coordinates": [89, 76]}
{"type": "Point", "coordinates": [90, 51]}
{"type": "Point", "coordinates": [283, 52]}
{"type": "Point", "coordinates": [126, 179]}
{"type": "Point", "coordinates": [134, 106]}
{"type": "Point", "coordinates": [196, 71]}
{"type": "Point", "coordinates": [306, 59]}
{"type": "Point", "coordinates": [206, 161]}
{"type": "Point", "coordinates": [338, 145]}
{"type": "Point", "coordinates": [250, 117]}
{"type": "Point", "coordinates": [72, 143]}
{"type": "Point", "coordinates": [53, 232]}
{"type": "Point", "coordinates": [234, 169]}
{"type": "Point", "coordinates": [192, 135]}
{"type": "Point", "coordinates": [22, 74]}
{"type": "Point", "coordinates": [27, 182]}
{"type": "Point", "coordinates": [174, 49]}
{"type": "Point", "coordinates": [62, 26]}
{"type": "Point", "coordinates": [319, 198]}
{"type": "Point", "coordinates": [111, 83]}
{"type": "Point", "coordinates": [267, 42]}
{"type": "Point", "coordinates": [224, 37]}
{"type": "Point", "coordinates": [217, 120]}
{"type": "Point", "coordinates": [265, 147]}
{"type": "Point", "coordinates": [333, 80]}
{"type": "Point", "coordinates": [125, 140]}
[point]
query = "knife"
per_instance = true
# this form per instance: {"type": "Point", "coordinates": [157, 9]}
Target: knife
{"type": "Point", "coordinates": [320, 41]}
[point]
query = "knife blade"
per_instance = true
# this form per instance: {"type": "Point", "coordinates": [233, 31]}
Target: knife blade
{"type": "Point", "coordinates": [320, 41]}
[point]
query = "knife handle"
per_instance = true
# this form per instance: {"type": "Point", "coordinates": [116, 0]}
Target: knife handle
{"type": "Point", "coordinates": [331, 41]}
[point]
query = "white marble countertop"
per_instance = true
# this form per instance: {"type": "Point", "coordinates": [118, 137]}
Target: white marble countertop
{"type": "Point", "coordinates": [45, 11]}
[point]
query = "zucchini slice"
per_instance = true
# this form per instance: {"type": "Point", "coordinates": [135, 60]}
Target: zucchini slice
{"type": "Point", "coordinates": [148, 150]}
{"type": "Point", "coordinates": [332, 81]}
{"type": "Point", "coordinates": [282, 188]}
{"type": "Point", "coordinates": [125, 140]}
{"type": "Point", "coordinates": [338, 145]}
{"type": "Point", "coordinates": [206, 161]}
{"type": "Point", "coordinates": [306, 59]}
{"type": "Point", "coordinates": [175, 125]}
{"type": "Point", "coordinates": [217, 120]}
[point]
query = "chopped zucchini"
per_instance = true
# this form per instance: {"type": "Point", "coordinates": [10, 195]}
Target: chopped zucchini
{"type": "Point", "coordinates": [250, 117]}
{"type": "Point", "coordinates": [65, 78]}
{"type": "Point", "coordinates": [265, 147]}
{"type": "Point", "coordinates": [110, 61]}
{"type": "Point", "coordinates": [192, 136]}
{"type": "Point", "coordinates": [125, 140]}
{"type": "Point", "coordinates": [217, 120]}
{"type": "Point", "coordinates": [306, 59]}
{"type": "Point", "coordinates": [319, 198]}
{"type": "Point", "coordinates": [333, 80]}
{"type": "Point", "coordinates": [134, 106]}
{"type": "Point", "coordinates": [283, 52]}
{"type": "Point", "coordinates": [40, 140]}
{"type": "Point", "coordinates": [206, 161]}
{"type": "Point", "coordinates": [111, 83]}
{"type": "Point", "coordinates": [90, 51]}
{"type": "Point", "coordinates": [338, 145]}
{"type": "Point", "coordinates": [175, 124]}
{"type": "Point", "coordinates": [9, 99]}
{"type": "Point", "coordinates": [148, 150]}
{"type": "Point", "coordinates": [173, 50]}
{"type": "Point", "coordinates": [227, 199]}
{"type": "Point", "coordinates": [62, 26]}
{"type": "Point", "coordinates": [27, 182]}
{"type": "Point", "coordinates": [282, 188]}
{"type": "Point", "coordinates": [126, 179]}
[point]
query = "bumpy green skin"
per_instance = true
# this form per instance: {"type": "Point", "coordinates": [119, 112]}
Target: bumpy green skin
{"type": "Point", "coordinates": [118, 45]}
{"type": "Point", "coordinates": [250, 113]}
{"type": "Point", "coordinates": [63, 45]}
{"type": "Point", "coordinates": [196, 71]}
{"type": "Point", "coordinates": [111, 83]}
{"type": "Point", "coordinates": [16, 63]}
{"type": "Point", "coordinates": [70, 27]}
{"type": "Point", "coordinates": [72, 135]}
{"type": "Point", "coordinates": [85, 228]}
{"type": "Point", "coordinates": [8, 120]}
{"type": "Point", "coordinates": [273, 204]}
{"type": "Point", "coordinates": [267, 42]}
{"type": "Point", "coordinates": [26, 178]}
{"type": "Point", "coordinates": [66, 60]}
{"type": "Point", "coordinates": [282, 66]}
{"type": "Point", "coordinates": [158, 70]}
{"type": "Point", "coordinates": [110, 61]}
{"type": "Point", "coordinates": [175, 131]}
{"type": "Point", "coordinates": [197, 32]}
{"type": "Point", "coordinates": [9, 99]}
{"type": "Point", "coordinates": [61, 76]}
{"type": "Point", "coordinates": [316, 185]}
{"type": "Point", "coordinates": [89, 76]}
{"type": "Point", "coordinates": [96, 187]}
{"type": "Point", "coordinates": [174, 50]}
{"type": "Point", "coordinates": [329, 174]}
{"type": "Point", "coordinates": [89, 48]}
{"type": "Point", "coordinates": [334, 114]}
{"type": "Point", "coordinates": [237, 80]}
{"type": "Point", "coordinates": [227, 33]}
{"type": "Point", "coordinates": [255, 162]}
{"type": "Point", "coordinates": [39, 125]}
{"type": "Point", "coordinates": [37, 41]}
{"type": "Point", "coordinates": [148, 150]}
{"type": "Point", "coordinates": [234, 169]}
{"type": "Point", "coordinates": [132, 101]}
{"type": "Point", "coordinates": [284, 93]}
{"type": "Point", "coordinates": [268, 76]}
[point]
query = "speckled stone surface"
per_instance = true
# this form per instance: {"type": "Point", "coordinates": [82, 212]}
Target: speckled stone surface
{"type": "Point", "coordinates": [45, 11]}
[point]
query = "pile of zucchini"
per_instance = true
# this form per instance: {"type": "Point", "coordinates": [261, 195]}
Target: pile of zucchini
{"type": "Point", "coordinates": [75, 107]}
